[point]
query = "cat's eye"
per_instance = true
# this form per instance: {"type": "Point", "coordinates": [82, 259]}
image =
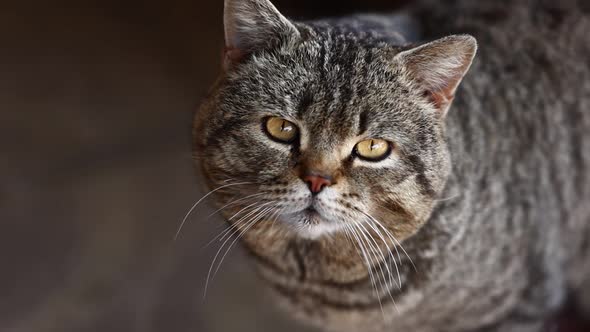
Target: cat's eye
{"type": "Point", "coordinates": [280, 129]}
{"type": "Point", "coordinates": [373, 149]}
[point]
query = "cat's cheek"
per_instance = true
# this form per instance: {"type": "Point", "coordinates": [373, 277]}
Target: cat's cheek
{"type": "Point", "coordinates": [402, 217]}
{"type": "Point", "coordinates": [401, 223]}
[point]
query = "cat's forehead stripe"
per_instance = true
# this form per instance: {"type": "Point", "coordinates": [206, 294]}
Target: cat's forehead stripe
{"type": "Point", "coordinates": [363, 122]}
{"type": "Point", "coordinates": [305, 101]}
{"type": "Point", "coordinates": [342, 70]}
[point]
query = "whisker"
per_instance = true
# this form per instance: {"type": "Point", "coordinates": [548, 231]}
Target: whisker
{"type": "Point", "coordinates": [217, 255]}
{"type": "Point", "coordinates": [248, 206]}
{"type": "Point", "coordinates": [375, 248]}
{"type": "Point", "coordinates": [392, 237]}
{"type": "Point", "coordinates": [236, 229]}
{"type": "Point", "coordinates": [234, 202]}
{"type": "Point", "coordinates": [448, 198]}
{"type": "Point", "coordinates": [389, 273]}
{"type": "Point", "coordinates": [200, 200]}
{"type": "Point", "coordinates": [231, 227]}
{"type": "Point", "coordinates": [255, 219]}
{"type": "Point", "coordinates": [249, 214]}
{"type": "Point", "coordinates": [366, 260]}
{"type": "Point", "coordinates": [390, 254]}
{"type": "Point", "coordinates": [275, 216]}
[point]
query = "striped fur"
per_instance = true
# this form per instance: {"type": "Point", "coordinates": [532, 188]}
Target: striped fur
{"type": "Point", "coordinates": [489, 200]}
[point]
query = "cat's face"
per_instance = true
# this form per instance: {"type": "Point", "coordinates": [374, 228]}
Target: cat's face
{"type": "Point", "coordinates": [320, 132]}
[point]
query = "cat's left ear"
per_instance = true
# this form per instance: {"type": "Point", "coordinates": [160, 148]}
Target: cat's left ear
{"type": "Point", "coordinates": [439, 66]}
{"type": "Point", "coordinates": [251, 25]}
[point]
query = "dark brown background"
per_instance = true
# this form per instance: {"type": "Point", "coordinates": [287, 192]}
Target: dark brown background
{"type": "Point", "coordinates": [96, 99]}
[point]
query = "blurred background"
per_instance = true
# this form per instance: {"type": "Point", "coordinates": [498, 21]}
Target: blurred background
{"type": "Point", "coordinates": [96, 101]}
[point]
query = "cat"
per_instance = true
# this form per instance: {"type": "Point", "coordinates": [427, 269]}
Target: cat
{"type": "Point", "coordinates": [395, 174]}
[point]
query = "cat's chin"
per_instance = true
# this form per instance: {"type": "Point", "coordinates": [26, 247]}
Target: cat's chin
{"type": "Point", "coordinates": [310, 224]}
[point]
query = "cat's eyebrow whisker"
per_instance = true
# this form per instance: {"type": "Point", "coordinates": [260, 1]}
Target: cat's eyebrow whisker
{"type": "Point", "coordinates": [200, 200]}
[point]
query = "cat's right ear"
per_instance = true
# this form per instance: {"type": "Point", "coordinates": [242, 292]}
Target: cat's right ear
{"type": "Point", "coordinates": [439, 66]}
{"type": "Point", "coordinates": [252, 25]}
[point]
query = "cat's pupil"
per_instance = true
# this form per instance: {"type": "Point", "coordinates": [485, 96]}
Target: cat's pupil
{"type": "Point", "coordinates": [286, 127]}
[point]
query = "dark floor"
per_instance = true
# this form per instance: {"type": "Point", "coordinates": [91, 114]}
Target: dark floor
{"type": "Point", "coordinates": [96, 100]}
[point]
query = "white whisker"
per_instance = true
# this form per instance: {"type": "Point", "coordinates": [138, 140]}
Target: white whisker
{"type": "Point", "coordinates": [366, 259]}
{"type": "Point", "coordinates": [200, 200]}
{"type": "Point", "coordinates": [388, 233]}
{"type": "Point", "coordinates": [375, 249]}
{"type": "Point", "coordinates": [234, 202]}
{"type": "Point", "coordinates": [232, 226]}
{"type": "Point", "coordinates": [255, 219]}
{"type": "Point", "coordinates": [390, 254]}
{"type": "Point", "coordinates": [236, 229]}
{"type": "Point", "coordinates": [448, 198]}
{"type": "Point", "coordinates": [249, 214]}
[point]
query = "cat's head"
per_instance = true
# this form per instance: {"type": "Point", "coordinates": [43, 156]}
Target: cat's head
{"type": "Point", "coordinates": [320, 131]}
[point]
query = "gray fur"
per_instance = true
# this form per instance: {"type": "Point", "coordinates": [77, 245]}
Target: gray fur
{"type": "Point", "coordinates": [492, 201]}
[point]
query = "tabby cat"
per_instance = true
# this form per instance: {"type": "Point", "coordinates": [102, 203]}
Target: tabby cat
{"type": "Point", "coordinates": [383, 183]}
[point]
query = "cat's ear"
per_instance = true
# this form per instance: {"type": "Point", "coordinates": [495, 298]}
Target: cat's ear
{"type": "Point", "coordinates": [439, 67]}
{"type": "Point", "coordinates": [251, 25]}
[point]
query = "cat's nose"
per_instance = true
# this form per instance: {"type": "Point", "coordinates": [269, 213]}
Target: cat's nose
{"type": "Point", "coordinates": [317, 182]}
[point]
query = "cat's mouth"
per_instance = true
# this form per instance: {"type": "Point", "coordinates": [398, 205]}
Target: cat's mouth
{"type": "Point", "coordinates": [310, 223]}
{"type": "Point", "coordinates": [312, 216]}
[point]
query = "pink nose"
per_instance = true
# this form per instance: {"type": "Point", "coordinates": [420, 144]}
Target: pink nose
{"type": "Point", "coordinates": [317, 182]}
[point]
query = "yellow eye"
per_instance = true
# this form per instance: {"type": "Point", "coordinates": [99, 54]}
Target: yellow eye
{"type": "Point", "coordinates": [373, 149]}
{"type": "Point", "coordinates": [280, 129]}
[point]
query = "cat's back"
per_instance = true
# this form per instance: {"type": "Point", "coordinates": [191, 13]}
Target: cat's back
{"type": "Point", "coordinates": [524, 111]}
